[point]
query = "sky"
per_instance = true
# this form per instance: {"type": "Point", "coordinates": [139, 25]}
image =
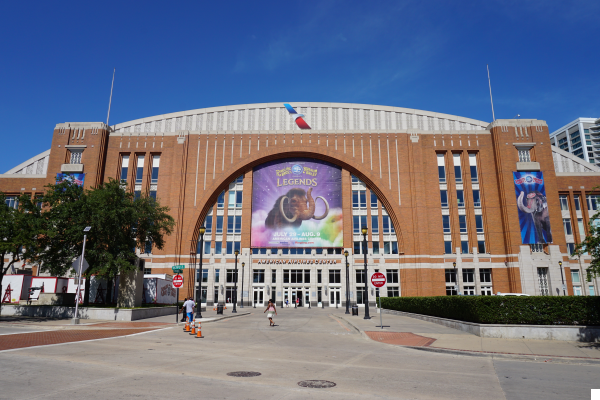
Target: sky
{"type": "Point", "coordinates": [58, 59]}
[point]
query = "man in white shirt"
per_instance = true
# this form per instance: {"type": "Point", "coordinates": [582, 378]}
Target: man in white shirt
{"type": "Point", "coordinates": [189, 308]}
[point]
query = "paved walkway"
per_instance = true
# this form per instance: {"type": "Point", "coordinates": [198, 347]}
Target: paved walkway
{"type": "Point", "coordinates": [427, 334]}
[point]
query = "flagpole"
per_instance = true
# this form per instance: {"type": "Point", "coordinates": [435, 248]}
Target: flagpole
{"type": "Point", "coordinates": [110, 99]}
{"type": "Point", "coordinates": [489, 83]}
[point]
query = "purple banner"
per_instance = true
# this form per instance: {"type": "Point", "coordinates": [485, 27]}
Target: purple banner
{"type": "Point", "coordinates": [297, 203]}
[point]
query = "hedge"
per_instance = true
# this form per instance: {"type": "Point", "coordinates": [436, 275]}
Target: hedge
{"type": "Point", "coordinates": [530, 310]}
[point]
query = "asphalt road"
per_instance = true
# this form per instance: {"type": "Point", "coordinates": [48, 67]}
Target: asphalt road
{"type": "Point", "coordinates": [305, 345]}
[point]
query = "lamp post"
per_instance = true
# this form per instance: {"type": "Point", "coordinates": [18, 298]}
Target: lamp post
{"type": "Point", "coordinates": [562, 277]}
{"type": "Point", "coordinates": [75, 319]}
{"type": "Point", "coordinates": [242, 305]}
{"type": "Point", "coordinates": [347, 284]}
{"type": "Point", "coordinates": [236, 279]}
{"type": "Point", "coordinates": [455, 277]}
{"type": "Point", "coordinates": [202, 230]}
{"type": "Point", "coordinates": [364, 232]}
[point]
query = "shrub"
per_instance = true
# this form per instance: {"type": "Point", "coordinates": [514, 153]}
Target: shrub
{"type": "Point", "coordinates": [530, 310]}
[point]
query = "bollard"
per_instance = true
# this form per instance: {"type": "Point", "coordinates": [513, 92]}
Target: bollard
{"type": "Point", "coordinates": [193, 332]}
{"type": "Point", "coordinates": [199, 335]}
{"type": "Point", "coordinates": [187, 324]}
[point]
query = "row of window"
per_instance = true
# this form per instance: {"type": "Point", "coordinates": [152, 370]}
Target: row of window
{"type": "Point", "coordinates": [360, 221]}
{"type": "Point", "coordinates": [468, 279]}
{"type": "Point", "coordinates": [139, 173]}
{"type": "Point", "coordinates": [462, 222]}
{"type": "Point", "coordinates": [456, 161]}
{"type": "Point", "coordinates": [460, 198]}
{"type": "Point", "coordinates": [464, 247]}
{"type": "Point", "coordinates": [593, 202]}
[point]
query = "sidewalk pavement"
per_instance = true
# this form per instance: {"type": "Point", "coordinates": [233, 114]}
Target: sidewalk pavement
{"type": "Point", "coordinates": [402, 330]}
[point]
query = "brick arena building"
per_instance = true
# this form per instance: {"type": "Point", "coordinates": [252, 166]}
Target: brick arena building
{"type": "Point", "coordinates": [438, 194]}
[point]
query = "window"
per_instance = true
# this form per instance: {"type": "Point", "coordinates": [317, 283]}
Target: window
{"type": "Point", "coordinates": [577, 290]}
{"type": "Point", "coordinates": [450, 276]}
{"type": "Point", "coordinates": [75, 156]}
{"type": "Point", "coordinates": [460, 198]}
{"type": "Point", "coordinates": [219, 247]}
{"type": "Point", "coordinates": [464, 247]}
{"type": "Point", "coordinates": [486, 290]}
{"type": "Point", "coordinates": [444, 198]}
{"type": "Point", "coordinates": [469, 290]}
{"type": "Point", "coordinates": [355, 180]}
{"type": "Point", "coordinates": [235, 198]}
{"type": "Point", "coordinates": [363, 199]}
{"type": "Point", "coordinates": [360, 295]}
{"type": "Point", "coordinates": [485, 275]}
{"type": "Point", "coordinates": [441, 168]}
{"type": "Point", "coordinates": [335, 276]}
{"type": "Point", "coordinates": [358, 222]}
{"type": "Point", "coordinates": [393, 291]}
{"type": "Point", "coordinates": [202, 278]}
{"type": "Point", "coordinates": [357, 247]}
{"type": "Point", "coordinates": [239, 179]}
{"type": "Point", "coordinates": [124, 168]}
{"type": "Point", "coordinates": [457, 169]}
{"type": "Point", "coordinates": [216, 298]}
{"type": "Point", "coordinates": [468, 275]}
{"type": "Point", "coordinates": [462, 223]}
{"type": "Point", "coordinates": [230, 223]}
{"type": "Point", "coordinates": [206, 247]}
{"type": "Point", "coordinates": [208, 223]}
{"type": "Point", "coordinates": [374, 224]}
{"type": "Point", "coordinates": [473, 167]}
{"type": "Point", "coordinates": [575, 276]}
{"type": "Point", "coordinates": [219, 225]}
{"type": "Point", "coordinates": [258, 276]}
{"type": "Point", "coordinates": [481, 246]}
{"type": "Point", "coordinates": [221, 200]}
{"type": "Point", "coordinates": [564, 202]}
{"type": "Point", "coordinates": [307, 276]}
{"type": "Point", "coordinates": [375, 247]}
{"type": "Point", "coordinates": [476, 198]}
{"type": "Point", "coordinates": [570, 248]}
{"type": "Point", "coordinates": [12, 201]}
{"type": "Point", "coordinates": [451, 291]}
{"type": "Point", "coordinates": [388, 227]}
{"type": "Point", "coordinates": [232, 247]}
{"type": "Point", "coordinates": [390, 247]}
{"type": "Point", "coordinates": [448, 247]}
{"type": "Point", "coordinates": [373, 200]}
{"type": "Point", "coordinates": [217, 272]}
{"type": "Point", "coordinates": [203, 294]}
{"type": "Point", "coordinates": [524, 155]}
{"type": "Point", "coordinates": [392, 275]}
{"type": "Point", "coordinates": [567, 226]}
{"type": "Point", "coordinates": [359, 199]}
{"type": "Point", "coordinates": [155, 165]}
{"type": "Point", "coordinates": [139, 173]}
{"type": "Point", "coordinates": [593, 202]}
{"type": "Point", "coordinates": [296, 276]}
{"type": "Point", "coordinates": [591, 291]}
{"type": "Point", "coordinates": [232, 276]}
{"type": "Point", "coordinates": [479, 223]}
{"type": "Point", "coordinates": [319, 276]}
{"type": "Point", "coordinates": [446, 223]}
{"type": "Point", "coordinates": [273, 276]}
{"type": "Point", "coordinates": [229, 294]}
{"type": "Point", "coordinates": [360, 276]}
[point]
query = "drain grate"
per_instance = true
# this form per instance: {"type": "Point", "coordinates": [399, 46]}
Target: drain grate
{"type": "Point", "coordinates": [316, 384]}
{"type": "Point", "coordinates": [243, 374]}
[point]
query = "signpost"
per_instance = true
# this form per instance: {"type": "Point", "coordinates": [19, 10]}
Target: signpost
{"type": "Point", "coordinates": [177, 269]}
{"type": "Point", "coordinates": [177, 283]}
{"type": "Point", "coordinates": [378, 281]}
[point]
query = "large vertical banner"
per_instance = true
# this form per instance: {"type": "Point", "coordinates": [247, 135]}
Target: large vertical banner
{"type": "Point", "coordinates": [534, 217]}
{"type": "Point", "coordinates": [297, 203]}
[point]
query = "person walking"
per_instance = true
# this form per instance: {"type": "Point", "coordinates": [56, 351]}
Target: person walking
{"type": "Point", "coordinates": [189, 308]}
{"type": "Point", "coordinates": [271, 312]}
{"type": "Point", "coordinates": [297, 301]}
{"type": "Point", "coordinates": [183, 310]}
{"type": "Point", "coordinates": [287, 303]}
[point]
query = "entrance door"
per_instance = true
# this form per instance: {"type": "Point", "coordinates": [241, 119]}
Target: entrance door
{"type": "Point", "coordinates": [306, 298]}
{"type": "Point", "coordinates": [334, 297]}
{"type": "Point", "coordinates": [299, 296]}
{"type": "Point", "coordinates": [259, 296]}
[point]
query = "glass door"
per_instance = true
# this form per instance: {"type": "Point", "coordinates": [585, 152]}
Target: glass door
{"type": "Point", "coordinates": [259, 297]}
{"type": "Point", "coordinates": [334, 297]}
{"type": "Point", "coordinates": [306, 297]}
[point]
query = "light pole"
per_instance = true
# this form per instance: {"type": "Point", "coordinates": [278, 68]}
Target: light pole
{"type": "Point", "coordinates": [236, 279]}
{"type": "Point", "coordinates": [364, 232]}
{"type": "Point", "coordinates": [455, 277]}
{"type": "Point", "coordinates": [562, 277]}
{"type": "Point", "coordinates": [243, 263]}
{"type": "Point", "coordinates": [347, 284]}
{"type": "Point", "coordinates": [198, 292]}
{"type": "Point", "coordinates": [75, 319]}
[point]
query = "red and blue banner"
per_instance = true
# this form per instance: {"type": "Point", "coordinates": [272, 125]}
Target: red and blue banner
{"type": "Point", "coordinates": [77, 179]}
{"type": "Point", "coordinates": [534, 217]}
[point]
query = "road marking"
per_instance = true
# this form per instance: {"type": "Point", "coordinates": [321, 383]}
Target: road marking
{"type": "Point", "coordinates": [338, 321]}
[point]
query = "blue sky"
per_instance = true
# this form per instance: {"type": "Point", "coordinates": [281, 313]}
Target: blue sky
{"type": "Point", "coordinates": [58, 58]}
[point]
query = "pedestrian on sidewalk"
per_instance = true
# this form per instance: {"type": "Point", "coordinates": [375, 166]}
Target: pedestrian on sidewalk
{"type": "Point", "coordinates": [297, 301]}
{"type": "Point", "coordinates": [271, 312]}
{"type": "Point", "coordinates": [183, 310]}
{"type": "Point", "coordinates": [189, 308]}
{"type": "Point", "coordinates": [287, 303]}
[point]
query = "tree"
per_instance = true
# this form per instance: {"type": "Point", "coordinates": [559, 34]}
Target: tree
{"type": "Point", "coordinates": [119, 223]}
{"type": "Point", "coordinates": [18, 231]}
{"type": "Point", "coordinates": [591, 245]}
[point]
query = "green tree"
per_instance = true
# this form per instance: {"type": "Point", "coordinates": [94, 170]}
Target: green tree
{"type": "Point", "coordinates": [591, 245]}
{"type": "Point", "coordinates": [18, 232]}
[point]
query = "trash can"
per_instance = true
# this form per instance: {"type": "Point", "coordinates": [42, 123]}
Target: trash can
{"type": "Point", "coordinates": [355, 310]}
{"type": "Point", "coordinates": [219, 308]}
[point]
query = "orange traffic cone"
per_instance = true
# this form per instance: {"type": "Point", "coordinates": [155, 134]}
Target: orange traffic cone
{"type": "Point", "coordinates": [199, 335]}
{"type": "Point", "coordinates": [187, 324]}
{"type": "Point", "coordinates": [193, 332]}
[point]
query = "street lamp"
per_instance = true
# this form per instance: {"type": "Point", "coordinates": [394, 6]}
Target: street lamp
{"type": "Point", "coordinates": [202, 230]}
{"type": "Point", "coordinates": [236, 279]}
{"type": "Point", "coordinates": [347, 284]}
{"type": "Point", "coordinates": [75, 319]}
{"type": "Point", "coordinates": [455, 277]}
{"type": "Point", "coordinates": [243, 263]}
{"type": "Point", "coordinates": [364, 232]}
{"type": "Point", "coordinates": [562, 277]}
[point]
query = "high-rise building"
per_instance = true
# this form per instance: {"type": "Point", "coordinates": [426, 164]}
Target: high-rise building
{"type": "Point", "coordinates": [577, 139]}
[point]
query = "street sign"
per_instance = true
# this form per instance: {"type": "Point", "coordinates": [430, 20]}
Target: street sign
{"type": "Point", "coordinates": [177, 281]}
{"type": "Point", "coordinates": [75, 265]}
{"type": "Point", "coordinates": [378, 280]}
{"type": "Point", "coordinates": [564, 287]}
{"type": "Point", "coordinates": [177, 269]}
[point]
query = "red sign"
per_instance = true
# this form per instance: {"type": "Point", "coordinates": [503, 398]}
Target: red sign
{"type": "Point", "coordinates": [177, 281]}
{"type": "Point", "coordinates": [378, 280]}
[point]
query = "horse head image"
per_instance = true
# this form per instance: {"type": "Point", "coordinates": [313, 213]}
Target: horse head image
{"type": "Point", "coordinates": [291, 209]}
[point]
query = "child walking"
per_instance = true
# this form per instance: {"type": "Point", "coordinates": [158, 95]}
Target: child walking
{"type": "Point", "coordinates": [271, 312]}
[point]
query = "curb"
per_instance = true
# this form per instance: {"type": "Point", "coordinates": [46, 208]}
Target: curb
{"type": "Point", "coordinates": [494, 356]}
{"type": "Point", "coordinates": [227, 317]}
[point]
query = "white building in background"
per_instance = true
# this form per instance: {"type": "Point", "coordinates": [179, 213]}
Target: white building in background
{"type": "Point", "coordinates": [579, 139]}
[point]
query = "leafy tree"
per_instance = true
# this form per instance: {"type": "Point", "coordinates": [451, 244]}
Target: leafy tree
{"type": "Point", "coordinates": [591, 245]}
{"type": "Point", "coordinates": [18, 229]}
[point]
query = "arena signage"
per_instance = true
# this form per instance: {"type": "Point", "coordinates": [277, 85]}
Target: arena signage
{"type": "Point", "coordinates": [298, 118]}
{"type": "Point", "coordinates": [292, 262]}
{"type": "Point", "coordinates": [297, 203]}
{"type": "Point", "coordinates": [534, 217]}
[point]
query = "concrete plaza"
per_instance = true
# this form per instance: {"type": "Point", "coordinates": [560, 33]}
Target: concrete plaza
{"type": "Point", "coordinates": [306, 344]}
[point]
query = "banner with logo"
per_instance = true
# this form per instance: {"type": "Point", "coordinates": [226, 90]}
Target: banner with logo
{"type": "Point", "coordinates": [78, 179]}
{"type": "Point", "coordinates": [297, 203]}
{"type": "Point", "coordinates": [534, 217]}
